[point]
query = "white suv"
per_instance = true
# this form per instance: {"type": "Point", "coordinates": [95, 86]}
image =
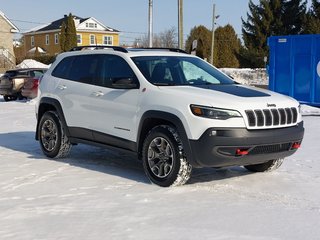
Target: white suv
{"type": "Point", "coordinates": [174, 110]}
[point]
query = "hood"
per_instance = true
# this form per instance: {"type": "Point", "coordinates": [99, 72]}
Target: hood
{"type": "Point", "coordinates": [233, 96]}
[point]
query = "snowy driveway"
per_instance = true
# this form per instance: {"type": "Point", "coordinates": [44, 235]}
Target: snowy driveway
{"type": "Point", "coordinates": [104, 194]}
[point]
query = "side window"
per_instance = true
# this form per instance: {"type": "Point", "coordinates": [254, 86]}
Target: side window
{"type": "Point", "coordinates": [114, 68]}
{"type": "Point", "coordinates": [84, 68]}
{"type": "Point", "coordinates": [63, 68]}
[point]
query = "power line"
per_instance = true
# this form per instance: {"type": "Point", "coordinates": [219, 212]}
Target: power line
{"type": "Point", "coordinates": [24, 21]}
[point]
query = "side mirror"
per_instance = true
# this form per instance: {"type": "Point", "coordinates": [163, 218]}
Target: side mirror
{"type": "Point", "coordinates": [125, 83]}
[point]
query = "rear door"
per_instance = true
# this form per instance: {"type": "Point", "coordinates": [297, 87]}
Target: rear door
{"type": "Point", "coordinates": [92, 108]}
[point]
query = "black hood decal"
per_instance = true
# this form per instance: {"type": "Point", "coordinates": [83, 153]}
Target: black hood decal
{"type": "Point", "coordinates": [234, 89]}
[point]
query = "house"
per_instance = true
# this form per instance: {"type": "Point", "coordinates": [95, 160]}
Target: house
{"type": "Point", "coordinates": [45, 39]}
{"type": "Point", "coordinates": [8, 29]}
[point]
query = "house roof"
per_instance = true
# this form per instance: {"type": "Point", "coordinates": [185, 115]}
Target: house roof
{"type": "Point", "coordinates": [14, 29]}
{"type": "Point", "coordinates": [56, 25]}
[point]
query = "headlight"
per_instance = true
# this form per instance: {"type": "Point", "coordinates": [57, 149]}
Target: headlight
{"type": "Point", "coordinates": [214, 113]}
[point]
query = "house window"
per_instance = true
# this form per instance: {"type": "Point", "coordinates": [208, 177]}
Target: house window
{"type": "Point", "coordinates": [56, 38]}
{"type": "Point", "coordinates": [91, 25]}
{"type": "Point", "coordinates": [32, 41]}
{"type": "Point", "coordinates": [92, 39]}
{"type": "Point", "coordinates": [107, 40]}
{"type": "Point", "coordinates": [79, 38]}
{"type": "Point", "coordinates": [47, 39]}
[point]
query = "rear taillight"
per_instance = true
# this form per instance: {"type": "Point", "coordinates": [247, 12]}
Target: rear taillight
{"type": "Point", "coordinates": [35, 82]}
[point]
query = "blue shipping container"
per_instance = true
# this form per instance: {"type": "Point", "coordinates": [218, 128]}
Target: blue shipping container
{"type": "Point", "coordinates": [294, 67]}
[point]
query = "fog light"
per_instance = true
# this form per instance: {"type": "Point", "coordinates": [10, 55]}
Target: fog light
{"type": "Point", "coordinates": [296, 145]}
{"type": "Point", "coordinates": [242, 152]}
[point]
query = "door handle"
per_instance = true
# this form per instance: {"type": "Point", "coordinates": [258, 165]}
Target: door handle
{"type": "Point", "coordinates": [62, 87]}
{"type": "Point", "coordinates": [98, 94]}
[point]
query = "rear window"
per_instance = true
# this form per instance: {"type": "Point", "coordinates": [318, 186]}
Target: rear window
{"type": "Point", "coordinates": [37, 73]}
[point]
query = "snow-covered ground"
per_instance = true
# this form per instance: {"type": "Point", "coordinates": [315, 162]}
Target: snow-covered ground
{"type": "Point", "coordinates": [31, 63]}
{"type": "Point", "coordinates": [104, 194]}
{"type": "Point", "coordinates": [248, 76]}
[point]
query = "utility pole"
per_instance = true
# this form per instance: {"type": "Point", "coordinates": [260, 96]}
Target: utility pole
{"type": "Point", "coordinates": [180, 23]}
{"type": "Point", "coordinates": [213, 23]}
{"type": "Point", "coordinates": [150, 32]}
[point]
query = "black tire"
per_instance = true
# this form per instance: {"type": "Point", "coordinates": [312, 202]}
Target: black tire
{"type": "Point", "coordinates": [8, 98]}
{"type": "Point", "coordinates": [266, 167]}
{"type": "Point", "coordinates": [163, 159]}
{"type": "Point", "coordinates": [53, 140]}
{"type": "Point", "coordinates": [20, 97]}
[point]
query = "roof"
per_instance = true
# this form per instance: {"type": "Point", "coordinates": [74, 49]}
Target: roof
{"type": "Point", "coordinates": [56, 25]}
{"type": "Point", "coordinates": [14, 28]}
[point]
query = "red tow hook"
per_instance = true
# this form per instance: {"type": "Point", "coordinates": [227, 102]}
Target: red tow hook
{"type": "Point", "coordinates": [242, 152]}
{"type": "Point", "coordinates": [296, 145]}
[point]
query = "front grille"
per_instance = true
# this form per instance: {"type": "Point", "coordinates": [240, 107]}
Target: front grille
{"type": "Point", "coordinates": [282, 147]}
{"type": "Point", "coordinates": [272, 117]}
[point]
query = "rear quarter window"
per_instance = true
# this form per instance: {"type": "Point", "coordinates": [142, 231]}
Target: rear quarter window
{"type": "Point", "coordinates": [80, 68]}
{"type": "Point", "coordinates": [63, 68]}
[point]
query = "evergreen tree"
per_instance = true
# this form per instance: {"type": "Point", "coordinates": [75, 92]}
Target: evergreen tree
{"type": "Point", "coordinates": [62, 39]}
{"type": "Point", "coordinates": [294, 16]}
{"type": "Point", "coordinates": [226, 47]}
{"type": "Point", "coordinates": [68, 36]}
{"type": "Point", "coordinates": [267, 18]}
{"type": "Point", "coordinates": [203, 36]}
{"type": "Point", "coordinates": [260, 24]}
{"type": "Point", "coordinates": [312, 25]}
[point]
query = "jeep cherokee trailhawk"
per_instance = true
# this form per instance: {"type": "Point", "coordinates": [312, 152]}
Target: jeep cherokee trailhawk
{"type": "Point", "coordinates": [173, 109]}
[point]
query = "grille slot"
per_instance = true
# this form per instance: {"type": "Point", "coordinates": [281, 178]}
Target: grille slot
{"type": "Point", "coordinates": [271, 148]}
{"type": "Point", "coordinates": [272, 117]}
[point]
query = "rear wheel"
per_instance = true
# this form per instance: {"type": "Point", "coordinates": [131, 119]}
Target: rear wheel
{"type": "Point", "coordinates": [266, 167]}
{"type": "Point", "coordinates": [53, 140]}
{"type": "Point", "coordinates": [20, 97]}
{"type": "Point", "coordinates": [163, 158]}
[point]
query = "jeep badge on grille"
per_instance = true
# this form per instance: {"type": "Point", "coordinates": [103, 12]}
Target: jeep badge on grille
{"type": "Point", "coordinates": [271, 105]}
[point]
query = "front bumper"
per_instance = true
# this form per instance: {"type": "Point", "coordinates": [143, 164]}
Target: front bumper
{"type": "Point", "coordinates": [222, 147]}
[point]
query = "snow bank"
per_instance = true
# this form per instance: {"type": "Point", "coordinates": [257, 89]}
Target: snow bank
{"type": "Point", "coordinates": [248, 76]}
{"type": "Point", "coordinates": [30, 63]}
{"type": "Point", "coordinates": [307, 110]}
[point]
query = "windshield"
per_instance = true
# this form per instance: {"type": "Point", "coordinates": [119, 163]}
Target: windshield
{"type": "Point", "coordinates": [173, 71]}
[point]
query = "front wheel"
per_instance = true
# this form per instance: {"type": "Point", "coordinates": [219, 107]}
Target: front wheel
{"type": "Point", "coordinates": [266, 167]}
{"type": "Point", "coordinates": [53, 140]}
{"type": "Point", "coordinates": [163, 158]}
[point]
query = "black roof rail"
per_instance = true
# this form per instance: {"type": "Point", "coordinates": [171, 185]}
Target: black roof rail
{"type": "Point", "coordinates": [158, 48]}
{"type": "Point", "coordinates": [97, 47]}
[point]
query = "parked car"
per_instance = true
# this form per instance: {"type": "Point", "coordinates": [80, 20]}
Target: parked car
{"type": "Point", "coordinates": [174, 110]}
{"type": "Point", "coordinates": [30, 87]}
{"type": "Point", "coordinates": [12, 82]}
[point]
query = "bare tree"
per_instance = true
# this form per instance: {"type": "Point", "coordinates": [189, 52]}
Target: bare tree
{"type": "Point", "coordinates": [166, 39]}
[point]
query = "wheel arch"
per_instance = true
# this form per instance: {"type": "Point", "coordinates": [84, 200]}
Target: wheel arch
{"type": "Point", "coordinates": [50, 104]}
{"type": "Point", "coordinates": [151, 119]}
